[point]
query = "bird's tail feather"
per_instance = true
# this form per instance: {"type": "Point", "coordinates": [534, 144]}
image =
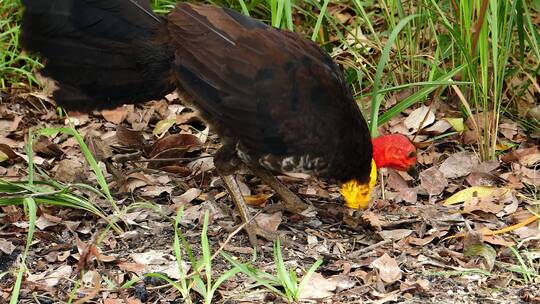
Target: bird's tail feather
{"type": "Point", "coordinates": [102, 53]}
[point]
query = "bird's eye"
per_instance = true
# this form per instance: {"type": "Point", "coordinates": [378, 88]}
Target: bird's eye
{"type": "Point", "coordinates": [411, 154]}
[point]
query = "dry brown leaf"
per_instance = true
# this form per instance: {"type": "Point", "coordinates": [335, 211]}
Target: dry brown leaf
{"type": "Point", "coordinates": [151, 257]}
{"type": "Point", "coordinates": [396, 181]}
{"type": "Point", "coordinates": [528, 176]}
{"type": "Point", "coordinates": [182, 143]}
{"type": "Point", "coordinates": [433, 181]}
{"type": "Point", "coordinates": [43, 222]}
{"type": "Point", "coordinates": [6, 153]}
{"type": "Point", "coordinates": [459, 164]}
{"type": "Point", "coordinates": [421, 241]}
{"type": "Point", "coordinates": [269, 222]}
{"type": "Point", "coordinates": [373, 219]}
{"type": "Point", "coordinates": [137, 268]}
{"type": "Point", "coordinates": [428, 157]}
{"type": "Point", "coordinates": [187, 197]}
{"type": "Point", "coordinates": [51, 278]}
{"type": "Point", "coordinates": [129, 138]}
{"type": "Point", "coordinates": [396, 234]}
{"type": "Point", "coordinates": [438, 127]}
{"type": "Point", "coordinates": [508, 130]}
{"type": "Point", "coordinates": [99, 148]}
{"type": "Point", "coordinates": [6, 246]}
{"type": "Point", "coordinates": [44, 146]}
{"type": "Point", "coordinates": [408, 195]}
{"type": "Point", "coordinates": [202, 164]}
{"type": "Point", "coordinates": [388, 269]}
{"type": "Point", "coordinates": [518, 154]}
{"type": "Point", "coordinates": [489, 205]}
{"type": "Point", "coordinates": [318, 287]}
{"type": "Point", "coordinates": [116, 116]}
{"type": "Point", "coordinates": [134, 181]}
{"type": "Point", "coordinates": [69, 171]}
{"type": "Point", "coordinates": [257, 200]}
{"type": "Point", "coordinates": [481, 179]}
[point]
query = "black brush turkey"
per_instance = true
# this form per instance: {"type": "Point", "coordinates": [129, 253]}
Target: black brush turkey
{"type": "Point", "coordinates": [277, 100]}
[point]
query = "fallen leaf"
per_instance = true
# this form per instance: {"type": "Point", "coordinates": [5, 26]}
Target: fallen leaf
{"type": "Point", "coordinates": [46, 147]}
{"type": "Point", "coordinates": [420, 117]}
{"type": "Point", "coordinates": [459, 164]}
{"type": "Point", "coordinates": [433, 181]}
{"type": "Point", "coordinates": [484, 250]}
{"type": "Point", "coordinates": [132, 267]}
{"type": "Point", "coordinates": [51, 278]}
{"type": "Point", "coordinates": [129, 138]}
{"type": "Point", "coordinates": [188, 196]}
{"type": "Point", "coordinates": [163, 126]}
{"type": "Point", "coordinates": [6, 153]}
{"type": "Point", "coordinates": [202, 164]}
{"type": "Point", "coordinates": [469, 193]}
{"type": "Point", "coordinates": [489, 205]}
{"type": "Point", "coordinates": [482, 179]}
{"type": "Point", "coordinates": [69, 171]}
{"type": "Point", "coordinates": [518, 154]}
{"type": "Point", "coordinates": [6, 246]}
{"type": "Point", "coordinates": [318, 287]}
{"type": "Point", "coordinates": [509, 130]}
{"type": "Point", "coordinates": [438, 127]}
{"type": "Point", "coordinates": [373, 219]}
{"type": "Point", "coordinates": [388, 269]}
{"type": "Point", "coordinates": [408, 195]}
{"type": "Point", "coordinates": [269, 222]}
{"type": "Point", "coordinates": [42, 223]}
{"type": "Point", "coordinates": [528, 176]}
{"type": "Point", "coordinates": [203, 135]}
{"type": "Point", "coordinates": [457, 124]}
{"type": "Point", "coordinates": [396, 234]}
{"type": "Point", "coordinates": [257, 199]}
{"type": "Point", "coordinates": [116, 116]}
{"type": "Point", "coordinates": [151, 257]}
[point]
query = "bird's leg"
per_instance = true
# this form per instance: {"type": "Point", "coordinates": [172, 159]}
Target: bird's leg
{"type": "Point", "coordinates": [227, 163]}
{"type": "Point", "coordinates": [292, 202]}
{"type": "Point", "coordinates": [251, 228]}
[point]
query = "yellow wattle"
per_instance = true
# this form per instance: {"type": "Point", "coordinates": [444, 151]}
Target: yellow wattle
{"type": "Point", "coordinates": [358, 195]}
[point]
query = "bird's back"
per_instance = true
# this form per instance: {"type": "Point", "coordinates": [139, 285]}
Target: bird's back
{"type": "Point", "coordinates": [278, 94]}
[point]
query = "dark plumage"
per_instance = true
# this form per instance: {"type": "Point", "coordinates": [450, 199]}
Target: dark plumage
{"type": "Point", "coordinates": [277, 100]}
{"type": "Point", "coordinates": [275, 94]}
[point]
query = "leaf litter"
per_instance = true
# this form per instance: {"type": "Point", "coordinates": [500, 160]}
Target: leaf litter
{"type": "Point", "coordinates": [431, 236]}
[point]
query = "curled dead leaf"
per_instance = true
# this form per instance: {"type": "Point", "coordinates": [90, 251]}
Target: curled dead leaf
{"type": "Point", "coordinates": [459, 164]}
{"type": "Point", "coordinates": [419, 118]}
{"type": "Point", "coordinates": [433, 181]}
{"type": "Point", "coordinates": [129, 138]}
{"type": "Point", "coordinates": [257, 199]}
{"type": "Point", "coordinates": [388, 268]}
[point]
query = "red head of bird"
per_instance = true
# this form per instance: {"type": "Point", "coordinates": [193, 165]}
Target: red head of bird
{"type": "Point", "coordinates": [391, 151]}
{"type": "Point", "coordinates": [394, 151]}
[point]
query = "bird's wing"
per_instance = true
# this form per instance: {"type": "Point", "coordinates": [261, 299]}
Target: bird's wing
{"type": "Point", "coordinates": [274, 91]}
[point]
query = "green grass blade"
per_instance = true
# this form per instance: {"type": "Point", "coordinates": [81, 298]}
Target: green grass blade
{"type": "Point", "coordinates": [31, 206]}
{"type": "Point", "coordinates": [385, 56]}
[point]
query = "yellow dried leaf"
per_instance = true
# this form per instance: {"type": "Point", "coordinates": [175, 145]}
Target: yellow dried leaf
{"type": "Point", "coordinates": [3, 156]}
{"type": "Point", "coordinates": [457, 124]}
{"type": "Point", "coordinates": [468, 193]}
{"type": "Point", "coordinates": [162, 126]}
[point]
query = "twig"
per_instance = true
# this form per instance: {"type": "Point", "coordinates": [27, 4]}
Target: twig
{"type": "Point", "coordinates": [167, 159]}
{"type": "Point", "coordinates": [369, 248]}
